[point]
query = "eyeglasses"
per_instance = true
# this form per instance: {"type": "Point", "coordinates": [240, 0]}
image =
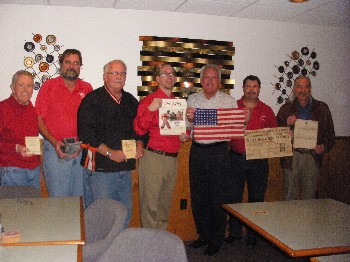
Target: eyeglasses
{"type": "Point", "coordinates": [167, 74]}
{"type": "Point", "coordinates": [117, 73]}
{"type": "Point", "coordinates": [76, 63]}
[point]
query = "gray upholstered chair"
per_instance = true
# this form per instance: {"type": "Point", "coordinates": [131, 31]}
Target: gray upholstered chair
{"type": "Point", "coordinates": [144, 244]}
{"type": "Point", "coordinates": [104, 219]}
{"type": "Point", "coordinates": [19, 192]}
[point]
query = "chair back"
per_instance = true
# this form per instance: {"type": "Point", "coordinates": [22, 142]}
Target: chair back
{"type": "Point", "coordinates": [104, 219]}
{"type": "Point", "coordinates": [145, 244]}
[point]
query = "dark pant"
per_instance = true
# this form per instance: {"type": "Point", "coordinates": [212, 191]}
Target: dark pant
{"type": "Point", "coordinates": [211, 186]}
{"type": "Point", "coordinates": [255, 172]}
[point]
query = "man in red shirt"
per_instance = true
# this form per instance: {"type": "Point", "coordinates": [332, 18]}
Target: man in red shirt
{"type": "Point", "coordinates": [255, 172]}
{"type": "Point", "coordinates": [57, 107]}
{"type": "Point", "coordinates": [18, 119]}
{"type": "Point", "coordinates": [158, 167]}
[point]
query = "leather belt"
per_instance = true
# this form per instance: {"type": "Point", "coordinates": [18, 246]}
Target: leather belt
{"type": "Point", "coordinates": [209, 145]}
{"type": "Point", "coordinates": [161, 152]}
{"type": "Point", "coordinates": [304, 151]}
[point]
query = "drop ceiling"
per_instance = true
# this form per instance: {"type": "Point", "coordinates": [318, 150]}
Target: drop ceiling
{"type": "Point", "coordinates": [313, 12]}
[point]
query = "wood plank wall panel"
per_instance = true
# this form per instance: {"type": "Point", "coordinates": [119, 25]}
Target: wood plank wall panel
{"type": "Point", "coordinates": [334, 179]}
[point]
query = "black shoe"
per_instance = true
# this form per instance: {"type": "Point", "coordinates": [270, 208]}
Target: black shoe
{"type": "Point", "coordinates": [198, 243]}
{"type": "Point", "coordinates": [211, 250]}
{"type": "Point", "coordinates": [251, 241]}
{"type": "Point", "coordinates": [232, 239]}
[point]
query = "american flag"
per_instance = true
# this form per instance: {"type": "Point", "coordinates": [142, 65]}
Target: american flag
{"type": "Point", "coordinates": [218, 124]}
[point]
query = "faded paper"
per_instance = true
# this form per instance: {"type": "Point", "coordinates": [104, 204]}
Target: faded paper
{"type": "Point", "coordinates": [268, 143]}
{"type": "Point", "coordinates": [172, 116]}
{"type": "Point", "coordinates": [305, 134]}
{"type": "Point", "coordinates": [33, 144]}
{"type": "Point", "coordinates": [129, 148]}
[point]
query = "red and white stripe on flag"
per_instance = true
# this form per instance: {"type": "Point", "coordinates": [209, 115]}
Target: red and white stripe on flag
{"type": "Point", "coordinates": [218, 124]}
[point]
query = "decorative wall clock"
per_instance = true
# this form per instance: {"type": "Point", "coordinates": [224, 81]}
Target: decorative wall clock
{"type": "Point", "coordinates": [42, 58]}
{"type": "Point", "coordinates": [297, 63]}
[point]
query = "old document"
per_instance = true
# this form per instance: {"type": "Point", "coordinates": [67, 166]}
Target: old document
{"type": "Point", "coordinates": [172, 116]}
{"type": "Point", "coordinates": [33, 144]}
{"type": "Point", "coordinates": [129, 148]}
{"type": "Point", "coordinates": [305, 134]}
{"type": "Point", "coordinates": [268, 143]}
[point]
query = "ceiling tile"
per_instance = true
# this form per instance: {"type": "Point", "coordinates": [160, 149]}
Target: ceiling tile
{"type": "Point", "coordinates": [159, 5]}
{"type": "Point", "coordinates": [25, 2]}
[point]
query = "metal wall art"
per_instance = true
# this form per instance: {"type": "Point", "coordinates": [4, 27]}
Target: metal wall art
{"type": "Point", "coordinates": [187, 56]}
{"type": "Point", "coordinates": [297, 63]}
{"type": "Point", "coordinates": [42, 58]}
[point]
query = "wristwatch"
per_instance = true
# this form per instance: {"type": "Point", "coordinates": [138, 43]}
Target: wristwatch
{"type": "Point", "coordinates": [109, 154]}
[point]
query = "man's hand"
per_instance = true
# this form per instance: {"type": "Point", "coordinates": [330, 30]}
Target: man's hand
{"type": "Point", "coordinates": [184, 137]}
{"type": "Point", "coordinates": [118, 156]}
{"type": "Point", "coordinates": [319, 149]}
{"type": "Point", "coordinates": [59, 152]}
{"type": "Point", "coordinates": [190, 114]}
{"type": "Point", "coordinates": [23, 151]}
{"type": "Point", "coordinates": [291, 120]}
{"type": "Point", "coordinates": [155, 105]}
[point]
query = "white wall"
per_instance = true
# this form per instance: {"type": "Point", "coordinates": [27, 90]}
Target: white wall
{"type": "Point", "coordinates": [105, 34]}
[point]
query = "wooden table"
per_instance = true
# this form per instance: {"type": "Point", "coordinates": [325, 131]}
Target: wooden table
{"type": "Point", "coordinates": [332, 258]}
{"type": "Point", "coordinates": [52, 229]}
{"type": "Point", "coordinates": [299, 227]}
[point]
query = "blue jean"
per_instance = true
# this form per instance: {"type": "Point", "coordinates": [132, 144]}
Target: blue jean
{"type": "Point", "coordinates": [16, 176]}
{"type": "Point", "coordinates": [63, 177]}
{"type": "Point", "coordinates": [114, 185]}
{"type": "Point", "coordinates": [255, 172]}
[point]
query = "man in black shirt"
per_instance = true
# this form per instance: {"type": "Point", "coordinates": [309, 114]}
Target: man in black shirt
{"type": "Point", "coordinates": [105, 118]}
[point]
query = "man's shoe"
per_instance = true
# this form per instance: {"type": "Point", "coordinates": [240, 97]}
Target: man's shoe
{"type": "Point", "coordinates": [232, 239]}
{"type": "Point", "coordinates": [211, 250]}
{"type": "Point", "coordinates": [251, 241]}
{"type": "Point", "coordinates": [198, 243]}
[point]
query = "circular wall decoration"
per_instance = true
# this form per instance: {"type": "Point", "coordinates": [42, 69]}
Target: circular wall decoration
{"type": "Point", "coordinates": [42, 58]}
{"type": "Point", "coordinates": [298, 63]}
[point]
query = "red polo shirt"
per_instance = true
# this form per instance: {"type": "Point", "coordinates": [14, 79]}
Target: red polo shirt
{"type": "Point", "coordinates": [59, 107]}
{"type": "Point", "coordinates": [262, 117]}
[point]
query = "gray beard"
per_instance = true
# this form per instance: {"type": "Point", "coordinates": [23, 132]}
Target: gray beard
{"type": "Point", "coordinates": [70, 77]}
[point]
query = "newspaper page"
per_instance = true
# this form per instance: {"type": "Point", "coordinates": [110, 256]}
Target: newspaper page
{"type": "Point", "coordinates": [172, 116]}
{"type": "Point", "coordinates": [33, 143]}
{"type": "Point", "coordinates": [129, 148]}
{"type": "Point", "coordinates": [268, 143]}
{"type": "Point", "coordinates": [305, 134]}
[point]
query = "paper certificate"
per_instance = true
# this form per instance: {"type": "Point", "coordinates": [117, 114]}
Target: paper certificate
{"type": "Point", "coordinates": [305, 134]}
{"type": "Point", "coordinates": [33, 144]}
{"type": "Point", "coordinates": [268, 143]}
{"type": "Point", "coordinates": [129, 148]}
{"type": "Point", "coordinates": [172, 117]}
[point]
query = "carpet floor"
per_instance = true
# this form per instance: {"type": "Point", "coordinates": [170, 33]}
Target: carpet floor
{"type": "Point", "coordinates": [239, 252]}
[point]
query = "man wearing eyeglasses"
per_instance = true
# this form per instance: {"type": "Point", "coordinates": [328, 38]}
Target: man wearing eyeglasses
{"type": "Point", "coordinates": [57, 105]}
{"type": "Point", "coordinates": [105, 119]}
{"type": "Point", "coordinates": [158, 168]}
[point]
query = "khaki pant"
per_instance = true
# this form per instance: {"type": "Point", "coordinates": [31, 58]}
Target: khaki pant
{"type": "Point", "coordinates": [157, 176]}
{"type": "Point", "coordinates": [302, 180]}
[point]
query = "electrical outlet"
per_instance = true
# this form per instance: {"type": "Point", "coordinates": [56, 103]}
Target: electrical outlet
{"type": "Point", "coordinates": [183, 204]}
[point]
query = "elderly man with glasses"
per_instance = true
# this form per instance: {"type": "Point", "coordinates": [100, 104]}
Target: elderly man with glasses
{"type": "Point", "coordinates": [105, 120]}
